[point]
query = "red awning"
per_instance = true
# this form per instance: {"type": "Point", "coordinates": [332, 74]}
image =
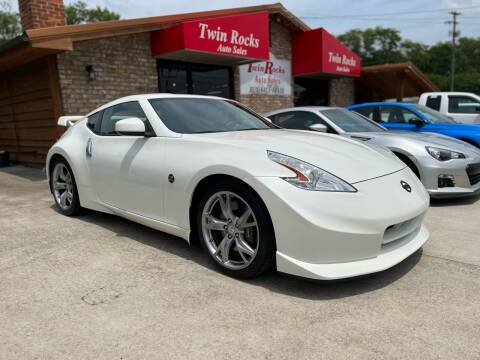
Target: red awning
{"type": "Point", "coordinates": [224, 40]}
{"type": "Point", "coordinates": [317, 52]}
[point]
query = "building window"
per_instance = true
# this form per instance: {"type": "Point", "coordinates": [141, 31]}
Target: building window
{"type": "Point", "coordinates": [189, 78]}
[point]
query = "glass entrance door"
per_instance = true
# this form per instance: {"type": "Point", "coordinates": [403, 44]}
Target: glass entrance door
{"type": "Point", "coordinates": [189, 78]}
{"type": "Point", "coordinates": [311, 92]}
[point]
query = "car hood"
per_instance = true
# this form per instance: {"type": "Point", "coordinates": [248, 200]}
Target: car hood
{"type": "Point", "coordinates": [427, 139]}
{"type": "Point", "coordinates": [348, 159]}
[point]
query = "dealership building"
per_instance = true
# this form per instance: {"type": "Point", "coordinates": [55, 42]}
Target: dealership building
{"type": "Point", "coordinates": [262, 56]}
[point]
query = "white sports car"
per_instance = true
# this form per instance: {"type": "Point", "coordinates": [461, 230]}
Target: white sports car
{"type": "Point", "coordinates": [257, 197]}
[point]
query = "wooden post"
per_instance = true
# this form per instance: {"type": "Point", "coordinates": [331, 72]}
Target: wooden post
{"type": "Point", "coordinates": [400, 85]}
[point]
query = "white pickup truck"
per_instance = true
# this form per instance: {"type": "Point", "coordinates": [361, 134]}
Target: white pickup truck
{"type": "Point", "coordinates": [461, 106]}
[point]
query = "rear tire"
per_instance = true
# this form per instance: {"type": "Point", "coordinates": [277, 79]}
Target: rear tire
{"type": "Point", "coordinates": [64, 189]}
{"type": "Point", "coordinates": [235, 230]}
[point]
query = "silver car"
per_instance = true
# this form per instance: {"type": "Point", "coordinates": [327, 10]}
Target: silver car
{"type": "Point", "coordinates": [446, 166]}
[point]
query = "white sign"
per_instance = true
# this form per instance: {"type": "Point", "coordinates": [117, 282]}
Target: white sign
{"type": "Point", "coordinates": [273, 77]}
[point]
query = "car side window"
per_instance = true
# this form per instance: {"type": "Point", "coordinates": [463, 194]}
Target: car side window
{"type": "Point", "coordinates": [298, 120]}
{"type": "Point", "coordinates": [367, 111]}
{"type": "Point", "coordinates": [93, 122]}
{"type": "Point", "coordinates": [121, 111]}
{"type": "Point", "coordinates": [433, 102]}
{"type": "Point", "coordinates": [397, 115]}
{"type": "Point", "coordinates": [409, 116]}
{"type": "Point", "coordinates": [391, 114]}
{"type": "Point", "coordinates": [463, 105]}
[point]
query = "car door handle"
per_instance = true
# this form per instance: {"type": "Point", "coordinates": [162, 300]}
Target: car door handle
{"type": "Point", "coordinates": [88, 149]}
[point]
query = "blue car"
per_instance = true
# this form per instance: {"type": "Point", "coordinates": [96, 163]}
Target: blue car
{"type": "Point", "coordinates": [415, 117]}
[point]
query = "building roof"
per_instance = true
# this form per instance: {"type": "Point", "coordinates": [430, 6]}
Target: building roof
{"type": "Point", "coordinates": [384, 79]}
{"type": "Point", "coordinates": [37, 43]}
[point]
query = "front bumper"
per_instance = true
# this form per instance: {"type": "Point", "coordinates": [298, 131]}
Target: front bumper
{"type": "Point", "coordinates": [454, 192]}
{"type": "Point", "coordinates": [432, 169]}
{"type": "Point", "coordinates": [333, 235]}
{"type": "Point", "coordinates": [386, 258]}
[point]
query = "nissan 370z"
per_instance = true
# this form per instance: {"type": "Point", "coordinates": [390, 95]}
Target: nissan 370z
{"type": "Point", "coordinates": [257, 197]}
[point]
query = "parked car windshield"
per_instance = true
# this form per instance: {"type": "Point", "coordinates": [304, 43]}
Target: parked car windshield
{"type": "Point", "coordinates": [432, 115]}
{"type": "Point", "coordinates": [197, 115]}
{"type": "Point", "coordinates": [350, 121]}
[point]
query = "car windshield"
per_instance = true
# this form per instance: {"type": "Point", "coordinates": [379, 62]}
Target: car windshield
{"type": "Point", "coordinates": [350, 121]}
{"type": "Point", "coordinates": [197, 115]}
{"type": "Point", "coordinates": [432, 115]}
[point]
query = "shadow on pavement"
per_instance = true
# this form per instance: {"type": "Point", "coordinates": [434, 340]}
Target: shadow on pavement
{"type": "Point", "coordinates": [468, 200]}
{"type": "Point", "coordinates": [28, 173]}
{"type": "Point", "coordinates": [331, 290]}
{"type": "Point", "coordinates": [275, 282]}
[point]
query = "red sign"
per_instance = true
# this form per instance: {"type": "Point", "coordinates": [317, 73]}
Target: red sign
{"type": "Point", "coordinates": [244, 36]}
{"type": "Point", "coordinates": [319, 52]}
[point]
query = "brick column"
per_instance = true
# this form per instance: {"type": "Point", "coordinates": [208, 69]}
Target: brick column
{"type": "Point", "coordinates": [41, 13]}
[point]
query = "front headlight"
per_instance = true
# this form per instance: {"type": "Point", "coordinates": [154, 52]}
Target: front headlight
{"type": "Point", "coordinates": [444, 154]}
{"type": "Point", "coordinates": [308, 176]}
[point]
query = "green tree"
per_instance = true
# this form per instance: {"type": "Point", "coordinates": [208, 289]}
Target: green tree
{"type": "Point", "coordinates": [440, 57]}
{"type": "Point", "coordinates": [353, 39]}
{"type": "Point", "coordinates": [79, 13]}
{"type": "Point", "coordinates": [468, 81]}
{"type": "Point", "coordinates": [377, 45]}
{"type": "Point", "coordinates": [9, 23]}
{"type": "Point", "coordinates": [385, 45]}
{"type": "Point", "coordinates": [469, 50]}
{"type": "Point", "coordinates": [417, 53]}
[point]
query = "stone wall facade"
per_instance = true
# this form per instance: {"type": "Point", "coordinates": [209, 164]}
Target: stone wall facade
{"type": "Point", "coordinates": [123, 66]}
{"type": "Point", "coordinates": [341, 92]}
{"type": "Point", "coordinates": [281, 47]}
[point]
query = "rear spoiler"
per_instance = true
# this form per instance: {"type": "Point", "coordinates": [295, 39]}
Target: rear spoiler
{"type": "Point", "coordinates": [67, 121]}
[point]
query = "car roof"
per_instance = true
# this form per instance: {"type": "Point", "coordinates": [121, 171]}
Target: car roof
{"type": "Point", "coordinates": [304, 108]}
{"type": "Point", "coordinates": [448, 93]}
{"type": "Point", "coordinates": [151, 96]}
{"type": "Point", "coordinates": [379, 103]}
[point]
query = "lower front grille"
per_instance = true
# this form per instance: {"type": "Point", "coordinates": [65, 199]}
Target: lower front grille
{"type": "Point", "coordinates": [473, 172]}
{"type": "Point", "coordinates": [401, 230]}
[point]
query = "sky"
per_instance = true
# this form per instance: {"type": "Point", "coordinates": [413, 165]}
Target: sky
{"type": "Point", "coordinates": [419, 20]}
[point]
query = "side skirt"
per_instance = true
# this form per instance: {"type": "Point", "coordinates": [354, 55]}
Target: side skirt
{"type": "Point", "coordinates": [152, 223]}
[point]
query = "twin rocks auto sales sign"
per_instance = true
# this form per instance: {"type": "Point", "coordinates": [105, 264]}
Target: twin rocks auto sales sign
{"type": "Point", "coordinates": [272, 77]}
{"type": "Point", "coordinates": [318, 52]}
{"type": "Point", "coordinates": [245, 36]}
{"type": "Point", "coordinates": [341, 63]}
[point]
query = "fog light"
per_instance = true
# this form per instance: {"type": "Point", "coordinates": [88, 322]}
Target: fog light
{"type": "Point", "coordinates": [446, 181]}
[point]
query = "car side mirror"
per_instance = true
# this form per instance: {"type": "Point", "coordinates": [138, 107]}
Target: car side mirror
{"type": "Point", "coordinates": [477, 109]}
{"type": "Point", "coordinates": [318, 127]}
{"type": "Point", "coordinates": [417, 122]}
{"type": "Point", "coordinates": [130, 126]}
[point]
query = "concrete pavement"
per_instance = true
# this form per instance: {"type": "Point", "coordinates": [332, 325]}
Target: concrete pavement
{"type": "Point", "coordinates": [101, 287]}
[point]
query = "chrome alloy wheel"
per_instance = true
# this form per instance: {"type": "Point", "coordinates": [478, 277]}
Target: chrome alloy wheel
{"type": "Point", "coordinates": [62, 185]}
{"type": "Point", "coordinates": [230, 230]}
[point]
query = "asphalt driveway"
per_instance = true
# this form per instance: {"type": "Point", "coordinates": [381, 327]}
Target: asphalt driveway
{"type": "Point", "coordinates": [101, 287]}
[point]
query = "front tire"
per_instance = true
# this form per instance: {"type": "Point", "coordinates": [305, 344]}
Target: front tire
{"type": "Point", "coordinates": [64, 189]}
{"type": "Point", "coordinates": [235, 230]}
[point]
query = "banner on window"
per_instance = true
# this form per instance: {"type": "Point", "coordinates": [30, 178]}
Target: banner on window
{"type": "Point", "coordinates": [272, 77]}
